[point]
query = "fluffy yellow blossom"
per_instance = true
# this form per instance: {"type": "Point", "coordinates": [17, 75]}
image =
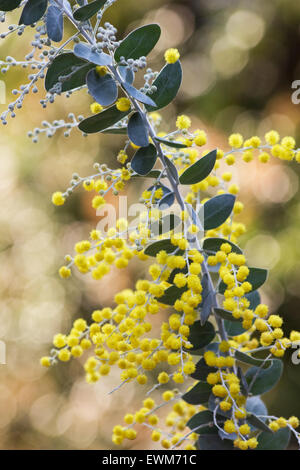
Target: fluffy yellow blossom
{"type": "Point", "coordinates": [172, 56]}
{"type": "Point", "coordinates": [96, 108]}
{"type": "Point", "coordinates": [183, 122]}
{"type": "Point", "coordinates": [123, 104]}
{"type": "Point", "coordinates": [58, 199]}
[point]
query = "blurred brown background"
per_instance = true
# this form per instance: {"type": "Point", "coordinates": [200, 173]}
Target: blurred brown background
{"type": "Point", "coordinates": [240, 59]}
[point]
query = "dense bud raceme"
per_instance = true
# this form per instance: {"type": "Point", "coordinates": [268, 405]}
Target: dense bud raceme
{"type": "Point", "coordinates": [212, 326]}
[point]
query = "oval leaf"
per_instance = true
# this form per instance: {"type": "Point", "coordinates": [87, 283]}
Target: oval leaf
{"type": "Point", "coordinates": [144, 160]}
{"type": "Point", "coordinates": [199, 394]}
{"type": "Point", "coordinates": [170, 143]}
{"type": "Point", "coordinates": [172, 294]}
{"type": "Point", "coordinates": [138, 95]}
{"type": "Point", "coordinates": [158, 246]}
{"type": "Point", "coordinates": [217, 210]}
{"type": "Point", "coordinates": [233, 328]}
{"type": "Point", "coordinates": [87, 11]}
{"type": "Point", "coordinates": [139, 42]}
{"type": "Point", "coordinates": [226, 315]}
{"type": "Point", "coordinates": [214, 245]}
{"type": "Point", "coordinates": [199, 170]}
{"type": "Point", "coordinates": [167, 83]}
{"type": "Point", "coordinates": [84, 51]}
{"type": "Point", "coordinates": [258, 423]}
{"type": "Point", "coordinates": [167, 201]}
{"type": "Point", "coordinates": [247, 359]}
{"type": "Point", "coordinates": [201, 335]}
{"type": "Point", "coordinates": [126, 74]}
{"type": "Point", "coordinates": [254, 299]}
{"type": "Point", "coordinates": [33, 11]}
{"type": "Point", "coordinates": [256, 406]}
{"type": "Point", "coordinates": [208, 442]}
{"type": "Point", "coordinates": [55, 23]}
{"type": "Point", "coordinates": [262, 380]}
{"type": "Point", "coordinates": [199, 420]}
{"type": "Point", "coordinates": [116, 130]}
{"type": "Point", "coordinates": [66, 64]}
{"type": "Point", "coordinates": [102, 120]}
{"type": "Point", "coordinates": [172, 169]}
{"type": "Point", "coordinates": [102, 88]}
{"type": "Point", "coordinates": [9, 5]}
{"type": "Point", "coordinates": [257, 277]}
{"type": "Point", "coordinates": [137, 131]}
{"type": "Point", "coordinates": [202, 370]}
{"type": "Point", "coordinates": [279, 440]}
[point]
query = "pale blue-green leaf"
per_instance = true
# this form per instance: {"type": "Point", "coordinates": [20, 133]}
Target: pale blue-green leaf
{"type": "Point", "coordinates": [55, 23]}
{"type": "Point", "coordinates": [102, 88]}
{"type": "Point", "coordinates": [33, 11]}
{"type": "Point", "coordinates": [126, 74]}
{"type": "Point", "coordinates": [138, 95]}
{"type": "Point", "coordinates": [279, 440]}
{"type": "Point", "coordinates": [84, 51]}
{"type": "Point", "coordinates": [144, 160]}
{"type": "Point", "coordinates": [137, 131]}
{"type": "Point", "coordinates": [263, 380]}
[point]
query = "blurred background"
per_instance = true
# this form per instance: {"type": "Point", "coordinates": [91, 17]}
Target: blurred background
{"type": "Point", "coordinates": [240, 59]}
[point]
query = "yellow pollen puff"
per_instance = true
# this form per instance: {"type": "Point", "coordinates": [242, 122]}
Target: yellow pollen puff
{"type": "Point", "coordinates": [219, 391]}
{"type": "Point", "coordinates": [274, 426]}
{"type": "Point", "coordinates": [123, 104]}
{"type": "Point", "coordinates": [155, 436]}
{"type": "Point", "coordinates": [183, 122]}
{"type": "Point", "coordinates": [262, 310]}
{"type": "Point", "coordinates": [294, 422]}
{"type": "Point", "coordinates": [248, 156]}
{"type": "Point", "coordinates": [272, 137]}
{"type": "Point", "coordinates": [64, 355]}
{"type": "Point", "coordinates": [236, 140]}
{"type": "Point", "coordinates": [200, 138]}
{"type": "Point", "coordinates": [168, 395]}
{"type": "Point", "coordinates": [101, 70]}
{"type": "Point", "coordinates": [172, 55]}
{"type": "Point", "coordinates": [213, 378]}
{"type": "Point", "coordinates": [264, 157]}
{"type": "Point", "coordinates": [230, 159]}
{"type": "Point", "coordinates": [225, 406]}
{"type": "Point", "coordinates": [238, 207]}
{"type": "Point", "coordinates": [275, 321]}
{"type": "Point", "coordinates": [65, 272]}
{"type": "Point", "coordinates": [96, 108]}
{"type": "Point", "coordinates": [45, 361]}
{"type": "Point", "coordinates": [163, 378]}
{"type": "Point", "coordinates": [255, 141]}
{"type": "Point", "coordinates": [244, 429]}
{"type": "Point", "coordinates": [229, 426]}
{"type": "Point", "coordinates": [58, 199]}
{"type": "Point", "coordinates": [98, 201]}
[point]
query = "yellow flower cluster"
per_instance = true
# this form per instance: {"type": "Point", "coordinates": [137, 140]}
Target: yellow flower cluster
{"type": "Point", "coordinates": [121, 336]}
{"type": "Point", "coordinates": [172, 55]}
